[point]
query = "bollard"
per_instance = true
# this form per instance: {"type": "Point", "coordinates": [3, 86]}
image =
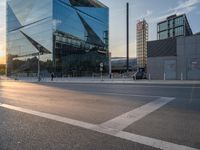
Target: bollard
{"type": "Point", "coordinates": [164, 76]}
{"type": "Point", "coordinates": [181, 76]}
{"type": "Point", "coordinates": [149, 76]}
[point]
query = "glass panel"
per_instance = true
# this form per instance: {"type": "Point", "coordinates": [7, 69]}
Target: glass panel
{"type": "Point", "coordinates": [163, 26]}
{"type": "Point", "coordinates": [171, 23]}
{"type": "Point", "coordinates": [163, 35]}
{"type": "Point", "coordinates": [81, 39]}
{"type": "Point", "coordinates": [179, 31]}
{"type": "Point", "coordinates": [179, 21]}
{"type": "Point", "coordinates": [32, 34]}
{"type": "Point", "coordinates": [171, 33]}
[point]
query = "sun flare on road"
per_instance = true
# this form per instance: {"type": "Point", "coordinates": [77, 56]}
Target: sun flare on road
{"type": "Point", "coordinates": [2, 57]}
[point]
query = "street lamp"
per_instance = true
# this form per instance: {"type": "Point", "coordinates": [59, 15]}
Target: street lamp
{"type": "Point", "coordinates": [39, 79]}
{"type": "Point", "coordinates": [39, 53]}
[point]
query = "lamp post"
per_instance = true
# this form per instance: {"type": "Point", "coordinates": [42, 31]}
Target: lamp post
{"type": "Point", "coordinates": [39, 67]}
{"type": "Point", "coordinates": [110, 66]}
{"type": "Point", "coordinates": [39, 53]}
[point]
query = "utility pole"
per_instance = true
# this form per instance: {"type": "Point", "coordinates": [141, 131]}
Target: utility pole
{"type": "Point", "coordinates": [127, 23]}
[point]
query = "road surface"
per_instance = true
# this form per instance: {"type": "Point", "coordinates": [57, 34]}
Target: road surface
{"type": "Point", "coordinates": [67, 116]}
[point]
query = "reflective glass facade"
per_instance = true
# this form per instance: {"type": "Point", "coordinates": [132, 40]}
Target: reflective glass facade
{"type": "Point", "coordinates": [71, 36]}
{"type": "Point", "coordinates": [174, 26]}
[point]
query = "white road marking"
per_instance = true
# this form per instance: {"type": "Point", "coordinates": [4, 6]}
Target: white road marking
{"type": "Point", "coordinates": [50, 116]}
{"type": "Point", "coordinates": [152, 142]}
{"type": "Point", "coordinates": [109, 131]}
{"type": "Point", "coordinates": [123, 121]}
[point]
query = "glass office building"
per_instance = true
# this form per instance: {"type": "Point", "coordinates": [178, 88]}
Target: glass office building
{"type": "Point", "coordinates": [70, 35]}
{"type": "Point", "coordinates": [174, 26]}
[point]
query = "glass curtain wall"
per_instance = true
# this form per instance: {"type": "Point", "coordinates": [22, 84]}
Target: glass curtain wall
{"type": "Point", "coordinates": [174, 26]}
{"type": "Point", "coordinates": [80, 37]}
{"type": "Point", "coordinates": [70, 35]}
{"type": "Point", "coordinates": [29, 31]}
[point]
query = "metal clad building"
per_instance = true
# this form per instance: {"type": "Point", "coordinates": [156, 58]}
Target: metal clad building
{"type": "Point", "coordinates": [161, 48]}
{"type": "Point", "coordinates": [174, 58]}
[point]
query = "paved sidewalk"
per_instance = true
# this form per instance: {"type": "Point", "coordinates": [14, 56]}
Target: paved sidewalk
{"type": "Point", "coordinates": [105, 80]}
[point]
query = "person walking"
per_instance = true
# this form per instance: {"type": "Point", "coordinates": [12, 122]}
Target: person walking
{"type": "Point", "coordinates": [52, 76]}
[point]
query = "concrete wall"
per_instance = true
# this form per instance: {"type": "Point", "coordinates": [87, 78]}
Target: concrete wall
{"type": "Point", "coordinates": [156, 67]}
{"type": "Point", "coordinates": [187, 65]}
{"type": "Point", "coordinates": [188, 57]}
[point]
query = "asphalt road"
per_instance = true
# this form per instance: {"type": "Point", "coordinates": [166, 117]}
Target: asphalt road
{"type": "Point", "coordinates": [66, 116]}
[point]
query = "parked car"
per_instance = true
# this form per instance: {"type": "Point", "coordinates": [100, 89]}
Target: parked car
{"type": "Point", "coordinates": [139, 75]}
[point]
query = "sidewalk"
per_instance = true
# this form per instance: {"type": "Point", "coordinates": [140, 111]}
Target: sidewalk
{"type": "Point", "coordinates": [89, 80]}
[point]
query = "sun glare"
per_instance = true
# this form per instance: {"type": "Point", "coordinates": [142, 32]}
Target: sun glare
{"type": "Point", "coordinates": [2, 57]}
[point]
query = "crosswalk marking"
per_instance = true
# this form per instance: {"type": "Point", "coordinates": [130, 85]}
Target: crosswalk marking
{"type": "Point", "coordinates": [115, 130]}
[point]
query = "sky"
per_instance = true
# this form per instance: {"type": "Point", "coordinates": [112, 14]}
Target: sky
{"type": "Point", "coordinates": [151, 10]}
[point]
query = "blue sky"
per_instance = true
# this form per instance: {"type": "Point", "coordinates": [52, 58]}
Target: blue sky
{"type": "Point", "coordinates": [152, 10]}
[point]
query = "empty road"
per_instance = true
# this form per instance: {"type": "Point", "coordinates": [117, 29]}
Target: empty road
{"type": "Point", "coordinates": [67, 116]}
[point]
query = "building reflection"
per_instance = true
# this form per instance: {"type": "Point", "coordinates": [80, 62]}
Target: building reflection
{"type": "Point", "coordinates": [71, 36]}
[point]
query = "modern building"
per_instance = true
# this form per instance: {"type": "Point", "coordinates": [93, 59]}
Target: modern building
{"type": "Point", "coordinates": [142, 38]}
{"type": "Point", "coordinates": [175, 58]}
{"type": "Point", "coordinates": [176, 55]}
{"type": "Point", "coordinates": [173, 26]}
{"type": "Point", "coordinates": [69, 36]}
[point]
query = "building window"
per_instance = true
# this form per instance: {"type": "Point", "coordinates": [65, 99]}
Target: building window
{"type": "Point", "coordinates": [171, 25]}
{"type": "Point", "coordinates": [179, 21]}
{"type": "Point", "coordinates": [179, 31]}
{"type": "Point", "coordinates": [171, 33]}
{"type": "Point", "coordinates": [58, 45]}
{"type": "Point", "coordinates": [163, 26]}
{"type": "Point", "coordinates": [163, 35]}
